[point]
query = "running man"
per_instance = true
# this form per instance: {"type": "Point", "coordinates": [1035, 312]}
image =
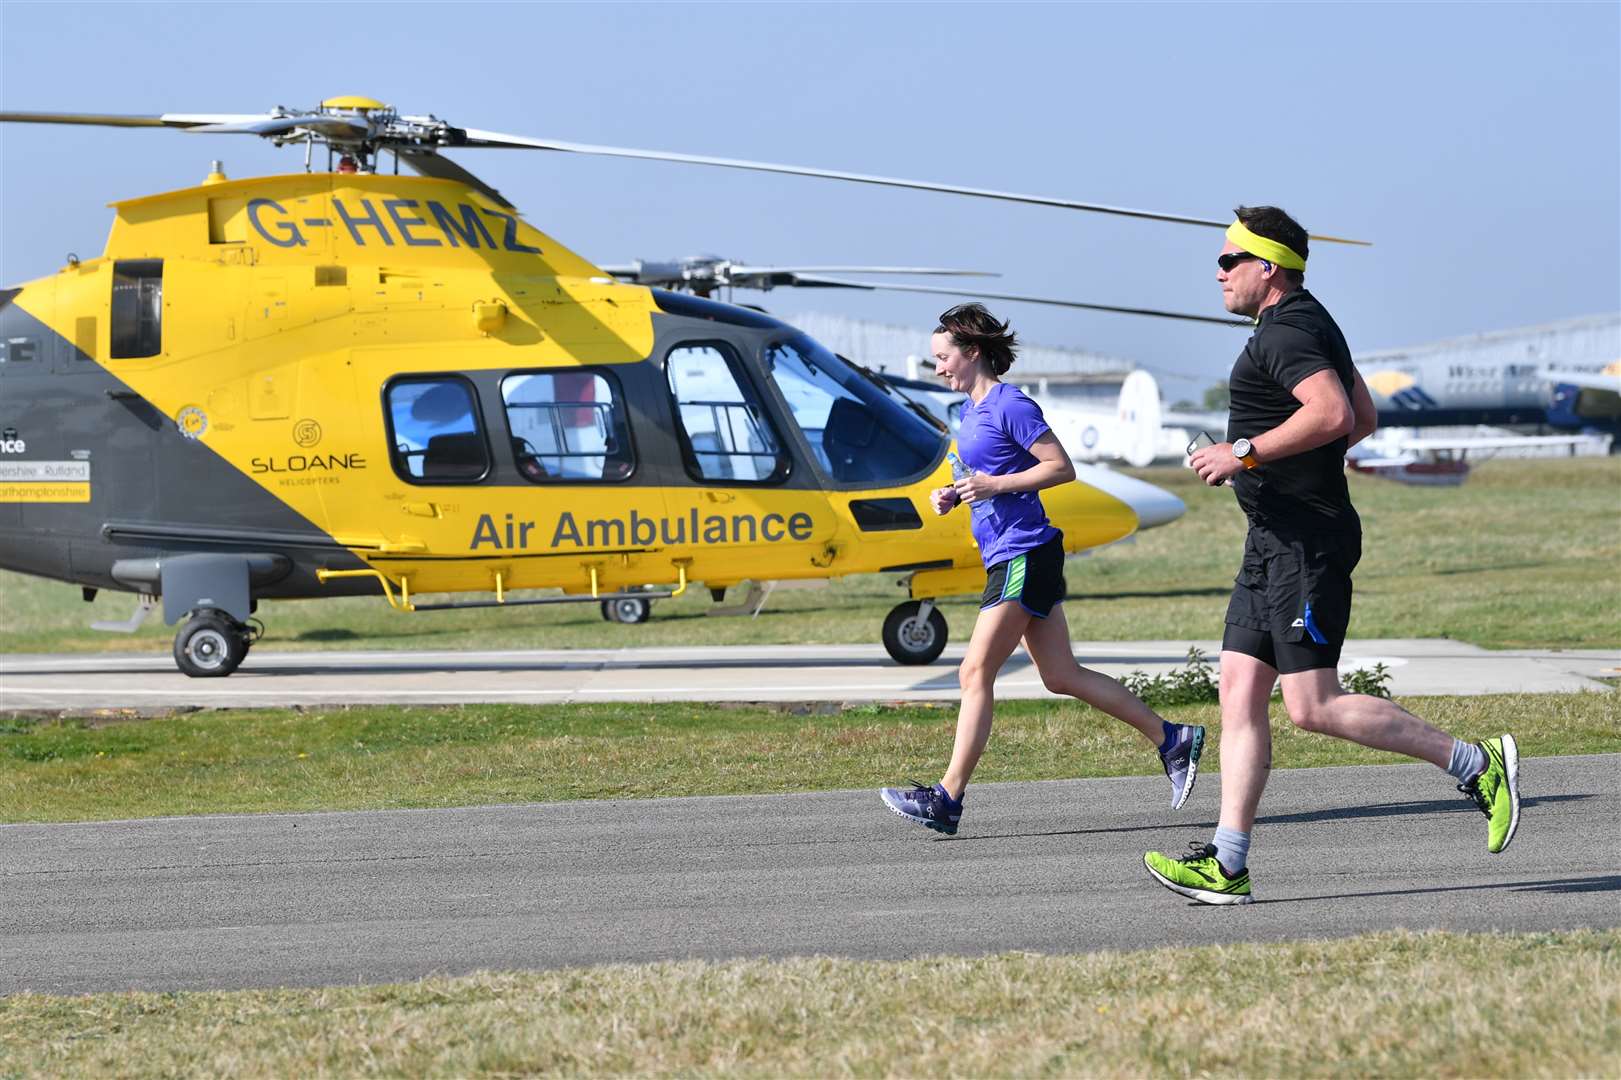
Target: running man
{"type": "Point", "coordinates": [1013, 454]}
{"type": "Point", "coordinates": [1297, 404]}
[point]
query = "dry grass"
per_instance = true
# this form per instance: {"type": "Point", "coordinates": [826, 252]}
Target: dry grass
{"type": "Point", "coordinates": [1390, 1004]}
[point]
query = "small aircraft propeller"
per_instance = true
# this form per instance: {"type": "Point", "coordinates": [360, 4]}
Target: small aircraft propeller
{"type": "Point", "coordinates": [363, 127]}
{"type": "Point", "coordinates": [703, 274]}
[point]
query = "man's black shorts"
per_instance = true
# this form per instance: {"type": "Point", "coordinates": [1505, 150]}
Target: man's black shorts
{"type": "Point", "coordinates": [1034, 579]}
{"type": "Point", "coordinates": [1292, 598]}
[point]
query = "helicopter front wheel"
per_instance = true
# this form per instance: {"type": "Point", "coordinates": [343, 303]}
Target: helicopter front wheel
{"type": "Point", "coordinates": [627, 609]}
{"type": "Point", "coordinates": [210, 644]}
{"type": "Point", "coordinates": [915, 632]}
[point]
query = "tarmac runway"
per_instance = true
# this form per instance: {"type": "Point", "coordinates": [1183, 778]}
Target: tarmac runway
{"type": "Point", "coordinates": [1053, 867]}
{"type": "Point", "coordinates": [709, 673]}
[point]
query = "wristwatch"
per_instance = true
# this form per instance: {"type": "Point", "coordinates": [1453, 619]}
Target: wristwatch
{"type": "Point", "coordinates": [1243, 451]}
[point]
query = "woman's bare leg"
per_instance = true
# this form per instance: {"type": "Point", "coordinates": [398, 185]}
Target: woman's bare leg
{"type": "Point", "coordinates": [996, 634]}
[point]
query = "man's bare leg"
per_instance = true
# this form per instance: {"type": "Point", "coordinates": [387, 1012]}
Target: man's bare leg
{"type": "Point", "coordinates": [1316, 703]}
{"type": "Point", "coordinates": [1246, 737]}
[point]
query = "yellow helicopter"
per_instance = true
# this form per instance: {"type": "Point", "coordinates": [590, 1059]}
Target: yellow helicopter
{"type": "Point", "coordinates": [345, 382]}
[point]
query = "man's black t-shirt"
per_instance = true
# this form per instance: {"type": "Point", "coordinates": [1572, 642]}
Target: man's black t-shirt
{"type": "Point", "coordinates": [1296, 338]}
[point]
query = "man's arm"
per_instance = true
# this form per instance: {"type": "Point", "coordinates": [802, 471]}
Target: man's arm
{"type": "Point", "coordinates": [1367, 419]}
{"type": "Point", "coordinates": [1325, 414]}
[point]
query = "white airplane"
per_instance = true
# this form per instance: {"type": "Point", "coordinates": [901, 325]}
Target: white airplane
{"type": "Point", "coordinates": [1131, 433]}
{"type": "Point", "coordinates": [1503, 377]}
{"type": "Point", "coordinates": [1395, 455]}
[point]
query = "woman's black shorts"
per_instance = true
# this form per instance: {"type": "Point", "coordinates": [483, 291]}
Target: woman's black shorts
{"type": "Point", "coordinates": [1291, 601]}
{"type": "Point", "coordinates": [1034, 579]}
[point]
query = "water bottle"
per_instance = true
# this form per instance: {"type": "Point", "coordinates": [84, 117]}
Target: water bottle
{"type": "Point", "coordinates": [960, 469]}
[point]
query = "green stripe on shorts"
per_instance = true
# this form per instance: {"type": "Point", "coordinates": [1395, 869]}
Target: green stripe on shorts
{"type": "Point", "coordinates": [1015, 579]}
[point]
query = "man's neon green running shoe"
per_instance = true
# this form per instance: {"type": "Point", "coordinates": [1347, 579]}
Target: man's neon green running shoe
{"type": "Point", "coordinates": [1497, 791]}
{"type": "Point", "coordinates": [1200, 876]}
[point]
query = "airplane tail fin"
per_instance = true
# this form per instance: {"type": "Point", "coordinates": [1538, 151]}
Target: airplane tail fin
{"type": "Point", "coordinates": [1139, 414]}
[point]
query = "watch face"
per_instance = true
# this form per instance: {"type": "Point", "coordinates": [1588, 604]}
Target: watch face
{"type": "Point", "coordinates": [1241, 448]}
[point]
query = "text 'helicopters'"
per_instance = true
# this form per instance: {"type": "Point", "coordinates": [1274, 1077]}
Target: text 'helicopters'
{"type": "Point", "coordinates": [343, 382]}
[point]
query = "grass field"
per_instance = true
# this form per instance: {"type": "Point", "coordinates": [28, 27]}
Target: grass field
{"type": "Point", "coordinates": [1524, 554]}
{"type": "Point", "coordinates": [1394, 1004]}
{"type": "Point", "coordinates": [250, 761]}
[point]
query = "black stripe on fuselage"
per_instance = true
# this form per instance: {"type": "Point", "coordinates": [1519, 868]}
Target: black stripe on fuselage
{"type": "Point", "coordinates": [64, 406]}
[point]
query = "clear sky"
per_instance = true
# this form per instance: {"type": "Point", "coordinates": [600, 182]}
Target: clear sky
{"type": "Point", "coordinates": [1478, 145]}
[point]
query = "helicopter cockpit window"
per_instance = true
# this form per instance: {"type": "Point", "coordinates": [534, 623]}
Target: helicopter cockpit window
{"type": "Point", "coordinates": [137, 309]}
{"type": "Point", "coordinates": [436, 432]}
{"type": "Point", "coordinates": [726, 427]}
{"type": "Point", "coordinates": [858, 431]}
{"type": "Point", "coordinates": [567, 425]}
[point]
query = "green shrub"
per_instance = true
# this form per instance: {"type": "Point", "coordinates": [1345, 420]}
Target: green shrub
{"type": "Point", "coordinates": [1191, 685]}
{"type": "Point", "coordinates": [1374, 681]}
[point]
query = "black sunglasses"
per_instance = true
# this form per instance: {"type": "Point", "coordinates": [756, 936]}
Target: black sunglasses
{"type": "Point", "coordinates": [1232, 259]}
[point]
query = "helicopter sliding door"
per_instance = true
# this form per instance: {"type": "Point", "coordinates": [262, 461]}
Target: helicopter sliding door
{"type": "Point", "coordinates": [728, 437]}
{"type": "Point", "coordinates": [740, 503]}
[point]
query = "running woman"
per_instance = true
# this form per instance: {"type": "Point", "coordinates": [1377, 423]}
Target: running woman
{"type": "Point", "coordinates": [1013, 455]}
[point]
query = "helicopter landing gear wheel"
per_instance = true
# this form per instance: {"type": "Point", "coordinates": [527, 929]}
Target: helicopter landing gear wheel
{"type": "Point", "coordinates": [210, 645]}
{"type": "Point", "coordinates": [627, 609]}
{"type": "Point", "coordinates": [915, 632]}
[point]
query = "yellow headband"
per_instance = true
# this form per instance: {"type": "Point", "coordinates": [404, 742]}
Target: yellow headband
{"type": "Point", "coordinates": [1270, 250]}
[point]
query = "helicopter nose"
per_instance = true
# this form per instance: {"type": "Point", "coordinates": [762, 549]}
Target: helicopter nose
{"type": "Point", "coordinates": [1153, 506]}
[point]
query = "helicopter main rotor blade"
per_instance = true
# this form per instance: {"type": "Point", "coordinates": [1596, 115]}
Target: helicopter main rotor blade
{"type": "Point", "coordinates": [919, 270]}
{"type": "Point", "coordinates": [440, 167]}
{"type": "Point", "coordinates": [1020, 298]}
{"type": "Point", "coordinates": [442, 134]}
{"type": "Point", "coordinates": [173, 120]}
{"type": "Point", "coordinates": [717, 272]}
{"type": "Point", "coordinates": [333, 127]}
{"type": "Point", "coordinates": [492, 139]}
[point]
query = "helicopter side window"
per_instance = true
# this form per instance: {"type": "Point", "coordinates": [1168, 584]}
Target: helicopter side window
{"type": "Point", "coordinates": [857, 430]}
{"type": "Point", "coordinates": [435, 430]}
{"type": "Point", "coordinates": [567, 425]}
{"type": "Point", "coordinates": [726, 431]}
{"type": "Point", "coordinates": [137, 308]}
